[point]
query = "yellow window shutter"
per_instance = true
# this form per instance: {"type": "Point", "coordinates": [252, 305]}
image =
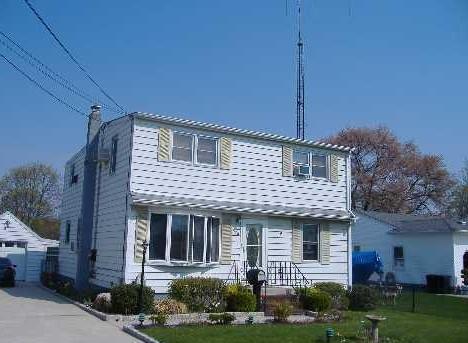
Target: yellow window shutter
{"type": "Point", "coordinates": [296, 242]}
{"type": "Point", "coordinates": [226, 243]}
{"type": "Point", "coordinates": [325, 243]}
{"type": "Point", "coordinates": [334, 168]}
{"type": "Point", "coordinates": [141, 229]}
{"type": "Point", "coordinates": [225, 148]}
{"type": "Point", "coordinates": [164, 144]}
{"type": "Point", "coordinates": [287, 161]}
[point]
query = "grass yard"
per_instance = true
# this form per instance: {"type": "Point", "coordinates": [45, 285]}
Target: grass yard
{"type": "Point", "coordinates": [437, 319]}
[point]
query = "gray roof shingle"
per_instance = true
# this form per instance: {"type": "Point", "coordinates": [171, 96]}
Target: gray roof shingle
{"type": "Point", "coordinates": [408, 223]}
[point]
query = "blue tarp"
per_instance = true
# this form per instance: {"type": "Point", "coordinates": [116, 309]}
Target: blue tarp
{"type": "Point", "coordinates": [365, 263]}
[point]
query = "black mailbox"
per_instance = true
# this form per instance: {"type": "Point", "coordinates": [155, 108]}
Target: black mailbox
{"type": "Point", "coordinates": [256, 277]}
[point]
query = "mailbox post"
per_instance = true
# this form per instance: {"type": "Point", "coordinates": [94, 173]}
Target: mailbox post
{"type": "Point", "coordinates": [256, 277]}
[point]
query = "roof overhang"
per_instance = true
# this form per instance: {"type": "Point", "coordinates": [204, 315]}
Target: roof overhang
{"type": "Point", "coordinates": [240, 132]}
{"type": "Point", "coordinates": [231, 207]}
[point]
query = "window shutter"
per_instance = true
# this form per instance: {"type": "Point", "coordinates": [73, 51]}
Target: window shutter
{"type": "Point", "coordinates": [334, 165]}
{"type": "Point", "coordinates": [225, 153]}
{"type": "Point", "coordinates": [141, 228]}
{"type": "Point", "coordinates": [164, 144]}
{"type": "Point", "coordinates": [287, 161]}
{"type": "Point", "coordinates": [325, 243]}
{"type": "Point", "coordinates": [226, 243]}
{"type": "Point", "coordinates": [296, 242]}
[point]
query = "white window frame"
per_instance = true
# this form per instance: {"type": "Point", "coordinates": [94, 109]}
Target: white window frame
{"type": "Point", "coordinates": [195, 137]}
{"type": "Point", "coordinates": [189, 261]}
{"type": "Point", "coordinates": [399, 262]}
{"type": "Point", "coordinates": [318, 242]}
{"type": "Point", "coordinates": [172, 147]}
{"type": "Point", "coordinates": [327, 166]}
{"type": "Point", "coordinates": [195, 150]}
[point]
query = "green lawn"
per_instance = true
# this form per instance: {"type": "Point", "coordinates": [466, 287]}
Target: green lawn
{"type": "Point", "coordinates": [438, 319]}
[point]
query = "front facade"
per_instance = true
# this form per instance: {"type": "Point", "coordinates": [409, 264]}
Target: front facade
{"type": "Point", "coordinates": [26, 249]}
{"type": "Point", "coordinates": [210, 201]}
{"type": "Point", "coordinates": [412, 247]}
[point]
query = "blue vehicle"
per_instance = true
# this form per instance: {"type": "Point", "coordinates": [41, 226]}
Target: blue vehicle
{"type": "Point", "coordinates": [7, 272]}
{"type": "Point", "coordinates": [365, 263]}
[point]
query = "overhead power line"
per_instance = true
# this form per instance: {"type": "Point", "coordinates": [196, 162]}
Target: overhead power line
{"type": "Point", "coordinates": [37, 84]}
{"type": "Point", "coordinates": [50, 73]}
{"type": "Point", "coordinates": [51, 32]}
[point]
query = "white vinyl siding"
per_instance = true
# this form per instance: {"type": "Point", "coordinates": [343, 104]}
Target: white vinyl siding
{"type": "Point", "coordinates": [255, 175]}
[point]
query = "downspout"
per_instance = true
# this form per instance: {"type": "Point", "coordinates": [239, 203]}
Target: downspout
{"type": "Point", "coordinates": [127, 196]}
{"type": "Point", "coordinates": [98, 191]}
{"type": "Point", "coordinates": [352, 218]}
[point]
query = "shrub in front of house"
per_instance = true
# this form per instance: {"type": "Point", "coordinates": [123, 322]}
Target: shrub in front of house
{"type": "Point", "coordinates": [221, 318]}
{"type": "Point", "coordinates": [159, 319]}
{"type": "Point", "coordinates": [337, 292]}
{"type": "Point", "coordinates": [103, 302]}
{"type": "Point", "coordinates": [169, 306]}
{"type": "Point", "coordinates": [125, 299]}
{"type": "Point", "coordinates": [314, 299]}
{"type": "Point", "coordinates": [282, 311]}
{"type": "Point", "coordinates": [363, 298]}
{"type": "Point", "coordinates": [239, 299]}
{"type": "Point", "coordinates": [199, 294]}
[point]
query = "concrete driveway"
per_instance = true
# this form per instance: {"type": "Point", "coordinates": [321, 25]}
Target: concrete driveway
{"type": "Point", "coordinates": [31, 314]}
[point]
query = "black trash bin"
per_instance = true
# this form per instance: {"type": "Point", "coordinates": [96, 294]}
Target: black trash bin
{"type": "Point", "coordinates": [438, 283]}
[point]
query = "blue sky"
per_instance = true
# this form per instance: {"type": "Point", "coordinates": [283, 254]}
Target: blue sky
{"type": "Point", "coordinates": [399, 63]}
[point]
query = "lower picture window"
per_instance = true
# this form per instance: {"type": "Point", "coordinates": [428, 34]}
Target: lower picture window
{"type": "Point", "coordinates": [191, 238]}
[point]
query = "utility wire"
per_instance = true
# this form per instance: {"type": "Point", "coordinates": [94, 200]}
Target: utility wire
{"type": "Point", "coordinates": [63, 102]}
{"type": "Point", "coordinates": [47, 71]}
{"type": "Point", "coordinates": [48, 28]}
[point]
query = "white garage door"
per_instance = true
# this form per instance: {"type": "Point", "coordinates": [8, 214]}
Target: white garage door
{"type": "Point", "coordinates": [16, 252]}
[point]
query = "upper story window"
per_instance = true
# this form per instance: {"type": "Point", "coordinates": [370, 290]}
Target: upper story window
{"type": "Point", "coordinates": [113, 156]}
{"type": "Point", "coordinates": [194, 148]}
{"type": "Point", "coordinates": [182, 147]}
{"type": "Point", "coordinates": [73, 175]}
{"type": "Point", "coordinates": [310, 242]}
{"type": "Point", "coordinates": [207, 150]}
{"type": "Point", "coordinates": [319, 165]}
{"type": "Point", "coordinates": [184, 238]}
{"type": "Point", "coordinates": [306, 164]}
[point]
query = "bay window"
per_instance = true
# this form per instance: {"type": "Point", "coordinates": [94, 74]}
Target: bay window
{"type": "Point", "coordinates": [184, 238]}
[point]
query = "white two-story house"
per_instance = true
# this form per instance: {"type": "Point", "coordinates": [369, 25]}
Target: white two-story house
{"type": "Point", "coordinates": [210, 201]}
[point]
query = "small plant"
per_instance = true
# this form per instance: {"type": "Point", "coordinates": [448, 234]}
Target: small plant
{"type": "Point", "coordinates": [103, 302]}
{"type": "Point", "coordinates": [282, 311]}
{"type": "Point", "coordinates": [221, 318]}
{"type": "Point", "coordinates": [314, 299]}
{"type": "Point", "coordinates": [199, 294]}
{"type": "Point", "coordinates": [337, 292]}
{"type": "Point", "coordinates": [329, 316]}
{"type": "Point", "coordinates": [363, 298]}
{"type": "Point", "coordinates": [159, 319]}
{"type": "Point", "coordinates": [169, 306]}
{"type": "Point", "coordinates": [239, 299]}
{"type": "Point", "coordinates": [125, 299]}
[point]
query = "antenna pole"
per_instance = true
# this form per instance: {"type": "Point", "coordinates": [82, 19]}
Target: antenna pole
{"type": "Point", "coordinates": [300, 79]}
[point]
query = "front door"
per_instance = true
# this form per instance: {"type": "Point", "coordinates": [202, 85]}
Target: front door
{"type": "Point", "coordinates": [254, 244]}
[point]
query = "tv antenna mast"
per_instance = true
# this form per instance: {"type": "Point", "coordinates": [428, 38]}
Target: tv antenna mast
{"type": "Point", "coordinates": [300, 78]}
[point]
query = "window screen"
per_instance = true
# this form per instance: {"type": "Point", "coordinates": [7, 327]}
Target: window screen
{"type": "Point", "coordinates": [206, 150]}
{"type": "Point", "coordinates": [157, 244]}
{"type": "Point", "coordinates": [319, 166]}
{"type": "Point", "coordinates": [182, 147]}
{"type": "Point", "coordinates": [310, 242]}
{"type": "Point", "coordinates": [179, 237]}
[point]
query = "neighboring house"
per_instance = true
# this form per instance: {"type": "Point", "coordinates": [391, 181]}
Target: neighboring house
{"type": "Point", "coordinates": [23, 247]}
{"type": "Point", "coordinates": [210, 200]}
{"type": "Point", "coordinates": [414, 246]}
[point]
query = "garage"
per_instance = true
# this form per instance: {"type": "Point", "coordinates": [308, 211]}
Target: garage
{"type": "Point", "coordinates": [25, 248]}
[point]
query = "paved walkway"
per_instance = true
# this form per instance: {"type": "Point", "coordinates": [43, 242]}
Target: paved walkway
{"type": "Point", "coordinates": [30, 314]}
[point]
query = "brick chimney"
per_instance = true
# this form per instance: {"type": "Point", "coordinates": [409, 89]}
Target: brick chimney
{"type": "Point", "coordinates": [94, 123]}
